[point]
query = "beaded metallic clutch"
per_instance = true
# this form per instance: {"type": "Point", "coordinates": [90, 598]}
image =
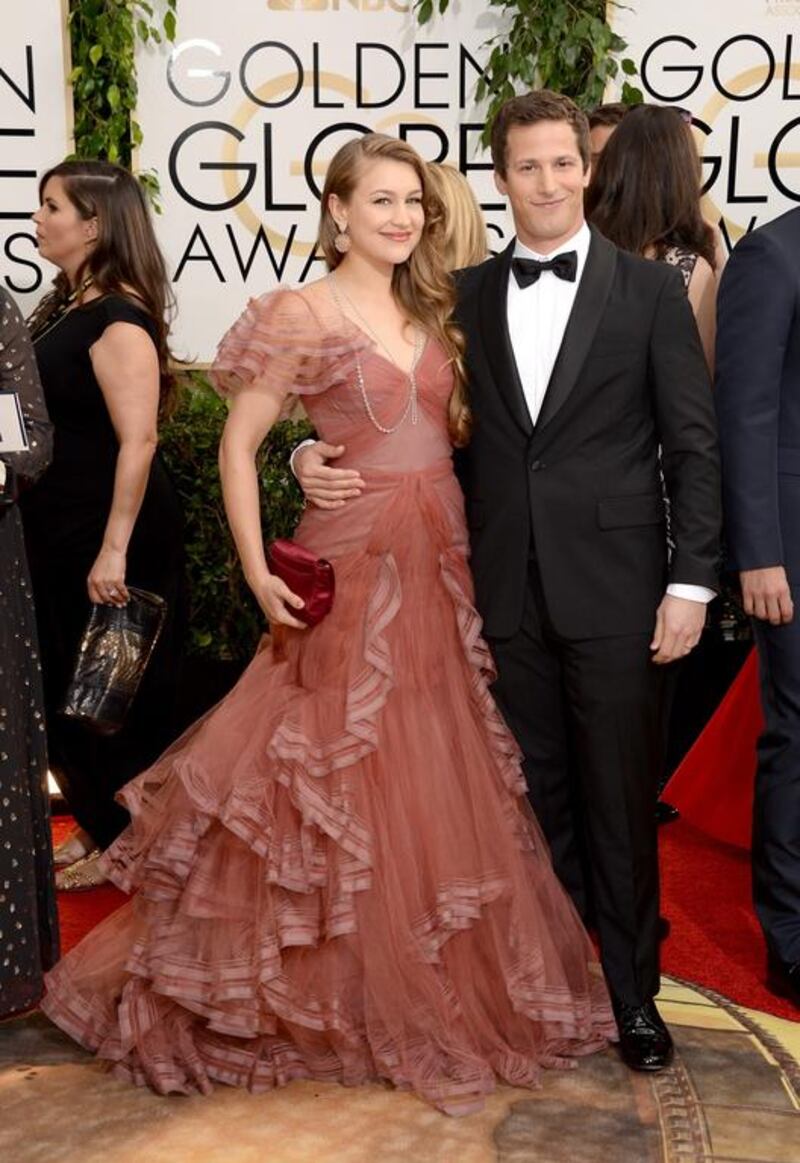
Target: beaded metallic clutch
{"type": "Point", "coordinates": [112, 657]}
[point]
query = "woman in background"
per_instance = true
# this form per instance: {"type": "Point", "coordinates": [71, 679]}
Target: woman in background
{"type": "Point", "coordinates": [645, 197]}
{"type": "Point", "coordinates": [28, 920]}
{"type": "Point", "coordinates": [463, 226]}
{"type": "Point", "coordinates": [105, 515]}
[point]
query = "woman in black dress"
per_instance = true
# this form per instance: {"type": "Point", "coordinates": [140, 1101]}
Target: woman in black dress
{"type": "Point", "coordinates": [28, 921]}
{"type": "Point", "coordinates": [645, 195]}
{"type": "Point", "coordinates": [105, 515]}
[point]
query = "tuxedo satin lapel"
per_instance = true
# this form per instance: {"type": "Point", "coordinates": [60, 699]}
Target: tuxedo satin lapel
{"type": "Point", "coordinates": [590, 301]}
{"type": "Point", "coordinates": [496, 340]}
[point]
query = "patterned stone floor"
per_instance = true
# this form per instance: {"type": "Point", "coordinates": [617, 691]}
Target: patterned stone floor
{"type": "Point", "coordinates": [732, 1096]}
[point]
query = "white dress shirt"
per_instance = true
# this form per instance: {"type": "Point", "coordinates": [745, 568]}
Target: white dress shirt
{"type": "Point", "coordinates": [537, 319]}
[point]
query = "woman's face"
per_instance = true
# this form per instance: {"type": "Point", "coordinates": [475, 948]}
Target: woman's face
{"type": "Point", "coordinates": [384, 215]}
{"type": "Point", "coordinates": [63, 237]}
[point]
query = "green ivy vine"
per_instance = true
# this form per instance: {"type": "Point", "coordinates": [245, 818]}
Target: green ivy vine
{"type": "Point", "coordinates": [564, 45]}
{"type": "Point", "coordinates": [103, 36]}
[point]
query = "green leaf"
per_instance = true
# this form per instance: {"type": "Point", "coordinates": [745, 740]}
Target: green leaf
{"type": "Point", "coordinates": [631, 95]}
{"type": "Point", "coordinates": [170, 25]}
{"type": "Point", "coordinates": [96, 54]}
{"type": "Point", "coordinates": [629, 67]}
{"type": "Point", "coordinates": [112, 96]}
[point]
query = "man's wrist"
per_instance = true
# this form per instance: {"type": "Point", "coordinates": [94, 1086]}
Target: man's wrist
{"type": "Point", "coordinates": [303, 444]}
{"type": "Point", "coordinates": [691, 593]}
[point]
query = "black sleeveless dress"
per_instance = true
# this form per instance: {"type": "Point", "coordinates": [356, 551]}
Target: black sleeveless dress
{"type": "Point", "coordinates": [65, 515]}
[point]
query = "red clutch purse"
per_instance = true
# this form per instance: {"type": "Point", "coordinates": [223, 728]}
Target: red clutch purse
{"type": "Point", "coordinates": [311, 578]}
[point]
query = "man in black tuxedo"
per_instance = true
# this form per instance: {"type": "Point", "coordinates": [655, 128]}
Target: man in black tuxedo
{"type": "Point", "coordinates": [758, 405]}
{"type": "Point", "coordinates": [582, 361]}
{"type": "Point", "coordinates": [587, 383]}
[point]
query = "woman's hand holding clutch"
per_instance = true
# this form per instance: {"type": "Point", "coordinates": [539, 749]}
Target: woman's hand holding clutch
{"type": "Point", "coordinates": [276, 600]}
{"type": "Point", "coordinates": [106, 580]}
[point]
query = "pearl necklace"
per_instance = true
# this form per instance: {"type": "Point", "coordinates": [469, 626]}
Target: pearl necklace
{"type": "Point", "coordinates": [411, 408]}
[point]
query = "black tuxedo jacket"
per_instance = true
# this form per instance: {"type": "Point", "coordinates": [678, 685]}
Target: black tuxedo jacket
{"type": "Point", "coordinates": [581, 490]}
{"type": "Point", "coordinates": [758, 397]}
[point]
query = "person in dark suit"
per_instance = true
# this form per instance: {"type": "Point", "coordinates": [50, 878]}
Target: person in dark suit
{"type": "Point", "coordinates": [587, 381]}
{"type": "Point", "coordinates": [758, 406]}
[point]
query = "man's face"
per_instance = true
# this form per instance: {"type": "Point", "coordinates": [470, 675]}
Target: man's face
{"type": "Point", "coordinates": [599, 136]}
{"type": "Point", "coordinates": [544, 183]}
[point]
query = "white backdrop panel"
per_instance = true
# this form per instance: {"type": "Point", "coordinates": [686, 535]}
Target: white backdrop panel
{"type": "Point", "coordinates": [35, 133]}
{"type": "Point", "coordinates": [736, 65]}
{"type": "Point", "coordinates": [242, 115]}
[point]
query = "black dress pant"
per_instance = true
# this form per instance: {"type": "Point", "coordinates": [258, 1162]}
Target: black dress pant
{"type": "Point", "coordinates": [776, 808]}
{"type": "Point", "coordinates": [588, 716]}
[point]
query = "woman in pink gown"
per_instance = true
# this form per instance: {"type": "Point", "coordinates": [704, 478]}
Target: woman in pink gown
{"type": "Point", "coordinates": [338, 876]}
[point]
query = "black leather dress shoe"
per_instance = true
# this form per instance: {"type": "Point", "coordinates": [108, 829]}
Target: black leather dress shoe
{"type": "Point", "coordinates": [783, 979]}
{"type": "Point", "coordinates": [666, 813]}
{"type": "Point", "coordinates": [644, 1040]}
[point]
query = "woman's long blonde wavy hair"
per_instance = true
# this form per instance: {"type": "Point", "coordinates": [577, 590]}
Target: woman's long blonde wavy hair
{"type": "Point", "coordinates": [464, 233]}
{"type": "Point", "coordinates": [422, 286]}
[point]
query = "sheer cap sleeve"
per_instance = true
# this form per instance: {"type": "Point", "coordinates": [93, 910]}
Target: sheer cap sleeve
{"type": "Point", "coordinates": [283, 345]}
{"type": "Point", "coordinates": [19, 373]}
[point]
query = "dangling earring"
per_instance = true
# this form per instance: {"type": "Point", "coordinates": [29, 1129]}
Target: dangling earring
{"type": "Point", "coordinates": [342, 241]}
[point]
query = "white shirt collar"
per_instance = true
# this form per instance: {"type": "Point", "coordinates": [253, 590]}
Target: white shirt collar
{"type": "Point", "coordinates": [580, 242]}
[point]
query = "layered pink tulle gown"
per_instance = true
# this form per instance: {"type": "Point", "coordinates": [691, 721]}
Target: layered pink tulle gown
{"type": "Point", "coordinates": [337, 875]}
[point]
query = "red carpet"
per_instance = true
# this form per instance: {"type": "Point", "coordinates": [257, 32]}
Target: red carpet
{"type": "Point", "coordinates": [713, 787]}
{"type": "Point", "coordinates": [714, 940]}
{"type": "Point", "coordinates": [705, 859]}
{"type": "Point", "coordinates": [78, 912]}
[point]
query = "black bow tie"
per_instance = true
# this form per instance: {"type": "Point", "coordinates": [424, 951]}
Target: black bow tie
{"type": "Point", "coordinates": [563, 266]}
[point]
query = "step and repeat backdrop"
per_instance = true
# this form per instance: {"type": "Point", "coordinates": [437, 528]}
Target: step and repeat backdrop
{"type": "Point", "coordinates": [735, 64]}
{"type": "Point", "coordinates": [242, 114]}
{"type": "Point", "coordinates": [35, 132]}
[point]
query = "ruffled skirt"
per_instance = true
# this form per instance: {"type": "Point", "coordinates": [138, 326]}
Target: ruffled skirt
{"type": "Point", "coordinates": [338, 875]}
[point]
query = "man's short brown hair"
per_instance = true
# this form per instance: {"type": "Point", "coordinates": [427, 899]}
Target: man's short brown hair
{"type": "Point", "coordinates": [610, 114]}
{"type": "Point", "coordinates": [541, 105]}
